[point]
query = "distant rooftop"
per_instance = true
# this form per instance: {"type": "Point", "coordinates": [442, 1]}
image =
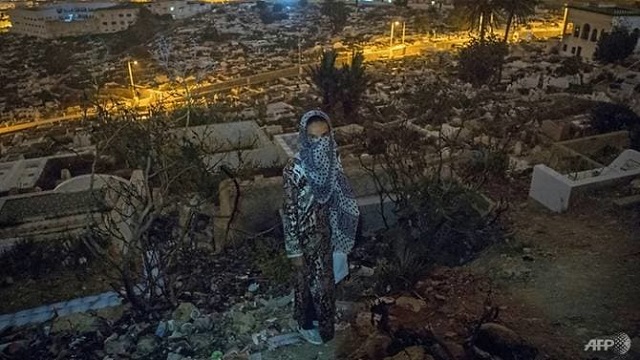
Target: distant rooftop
{"type": "Point", "coordinates": [607, 9]}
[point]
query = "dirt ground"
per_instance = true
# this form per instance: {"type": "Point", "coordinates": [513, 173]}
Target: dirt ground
{"type": "Point", "coordinates": [572, 276]}
{"type": "Point", "coordinates": [55, 286]}
{"type": "Point", "coordinates": [560, 280]}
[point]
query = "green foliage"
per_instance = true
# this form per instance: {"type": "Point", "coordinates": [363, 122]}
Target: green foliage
{"type": "Point", "coordinates": [172, 161]}
{"type": "Point", "coordinates": [444, 223]}
{"type": "Point", "coordinates": [269, 257]}
{"type": "Point", "coordinates": [480, 61]}
{"type": "Point", "coordinates": [616, 45]}
{"type": "Point", "coordinates": [353, 84]}
{"type": "Point", "coordinates": [340, 86]}
{"type": "Point", "coordinates": [31, 259]}
{"type": "Point", "coordinates": [607, 117]}
{"type": "Point", "coordinates": [488, 162]}
{"type": "Point", "coordinates": [517, 12]}
{"type": "Point", "coordinates": [337, 12]}
{"type": "Point", "coordinates": [325, 77]}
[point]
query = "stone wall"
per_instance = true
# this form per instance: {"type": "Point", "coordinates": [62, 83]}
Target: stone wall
{"type": "Point", "coordinates": [262, 198]}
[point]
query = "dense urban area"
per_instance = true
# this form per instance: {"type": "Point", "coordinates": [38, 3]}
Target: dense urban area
{"type": "Point", "coordinates": [493, 147]}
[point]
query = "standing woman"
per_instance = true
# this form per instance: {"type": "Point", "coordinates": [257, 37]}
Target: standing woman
{"type": "Point", "coordinates": [320, 222]}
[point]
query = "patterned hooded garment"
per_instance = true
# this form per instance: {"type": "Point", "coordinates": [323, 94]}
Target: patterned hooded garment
{"type": "Point", "coordinates": [315, 177]}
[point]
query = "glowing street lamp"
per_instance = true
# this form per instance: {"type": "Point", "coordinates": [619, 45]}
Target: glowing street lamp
{"type": "Point", "coordinates": [393, 25]}
{"type": "Point", "coordinates": [133, 86]}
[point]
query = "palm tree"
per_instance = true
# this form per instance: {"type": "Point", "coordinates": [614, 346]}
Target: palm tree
{"type": "Point", "coordinates": [481, 14]}
{"type": "Point", "coordinates": [517, 11]}
{"type": "Point", "coordinates": [325, 78]}
{"type": "Point", "coordinates": [353, 84]}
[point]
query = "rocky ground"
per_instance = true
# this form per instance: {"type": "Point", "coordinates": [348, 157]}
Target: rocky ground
{"type": "Point", "coordinates": [558, 281]}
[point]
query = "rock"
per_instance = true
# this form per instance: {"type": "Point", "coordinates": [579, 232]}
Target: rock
{"type": "Point", "coordinates": [410, 303]}
{"type": "Point", "coordinates": [146, 345]}
{"type": "Point", "coordinates": [200, 341]}
{"type": "Point", "coordinates": [554, 130]}
{"type": "Point", "coordinates": [187, 328]}
{"type": "Point", "coordinates": [456, 350]}
{"type": "Point", "coordinates": [203, 323]}
{"type": "Point", "coordinates": [116, 346]}
{"type": "Point", "coordinates": [243, 322]}
{"type": "Point", "coordinates": [363, 325]}
{"type": "Point", "coordinates": [282, 340]}
{"type": "Point", "coordinates": [174, 356]}
{"type": "Point", "coordinates": [517, 148]}
{"type": "Point", "coordinates": [410, 353]}
{"type": "Point", "coordinates": [113, 313]}
{"type": "Point", "coordinates": [161, 330]}
{"type": "Point", "coordinates": [79, 322]}
{"type": "Point", "coordinates": [253, 287]}
{"type": "Point", "coordinates": [8, 281]}
{"type": "Point", "coordinates": [635, 184]}
{"type": "Point", "coordinates": [375, 345]}
{"type": "Point", "coordinates": [501, 341]}
{"type": "Point", "coordinates": [184, 312]}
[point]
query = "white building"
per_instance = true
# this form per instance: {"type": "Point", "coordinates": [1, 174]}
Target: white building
{"type": "Point", "coordinates": [72, 19]}
{"type": "Point", "coordinates": [585, 24]}
{"type": "Point", "coordinates": [179, 9]}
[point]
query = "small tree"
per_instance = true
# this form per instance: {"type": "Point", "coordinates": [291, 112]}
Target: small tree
{"type": "Point", "coordinates": [607, 117]}
{"type": "Point", "coordinates": [518, 12]}
{"type": "Point", "coordinates": [480, 61]}
{"type": "Point", "coordinates": [353, 84]}
{"type": "Point", "coordinates": [616, 45]}
{"type": "Point", "coordinates": [325, 78]}
{"type": "Point", "coordinates": [344, 86]}
{"type": "Point", "coordinates": [337, 12]}
{"type": "Point", "coordinates": [141, 223]}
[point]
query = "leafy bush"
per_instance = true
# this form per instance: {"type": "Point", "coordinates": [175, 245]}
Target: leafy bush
{"type": "Point", "coordinates": [31, 259]}
{"type": "Point", "coordinates": [607, 117]}
{"type": "Point", "coordinates": [444, 223]}
{"type": "Point", "coordinates": [269, 257]}
{"type": "Point", "coordinates": [480, 61]}
{"type": "Point", "coordinates": [616, 45]}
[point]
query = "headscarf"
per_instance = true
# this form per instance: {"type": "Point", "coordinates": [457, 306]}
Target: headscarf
{"type": "Point", "coordinates": [323, 169]}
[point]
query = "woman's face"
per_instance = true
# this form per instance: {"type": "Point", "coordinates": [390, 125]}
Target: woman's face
{"type": "Point", "coordinates": [317, 129]}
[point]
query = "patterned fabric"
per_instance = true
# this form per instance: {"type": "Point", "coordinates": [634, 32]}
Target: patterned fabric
{"type": "Point", "coordinates": [314, 286]}
{"type": "Point", "coordinates": [320, 216]}
{"type": "Point", "coordinates": [321, 165]}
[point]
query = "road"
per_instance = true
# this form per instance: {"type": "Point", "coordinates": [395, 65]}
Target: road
{"type": "Point", "coordinates": [398, 52]}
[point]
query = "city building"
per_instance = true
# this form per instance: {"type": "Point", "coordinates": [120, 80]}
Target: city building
{"type": "Point", "coordinates": [584, 25]}
{"type": "Point", "coordinates": [179, 9]}
{"type": "Point", "coordinates": [72, 19]}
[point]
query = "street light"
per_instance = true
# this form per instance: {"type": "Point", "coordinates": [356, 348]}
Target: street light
{"type": "Point", "coordinates": [393, 25]}
{"type": "Point", "coordinates": [133, 86]}
{"type": "Point", "coordinates": [299, 58]}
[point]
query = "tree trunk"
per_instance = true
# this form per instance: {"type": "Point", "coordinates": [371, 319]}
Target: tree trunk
{"type": "Point", "coordinates": [482, 26]}
{"type": "Point", "coordinates": [508, 26]}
